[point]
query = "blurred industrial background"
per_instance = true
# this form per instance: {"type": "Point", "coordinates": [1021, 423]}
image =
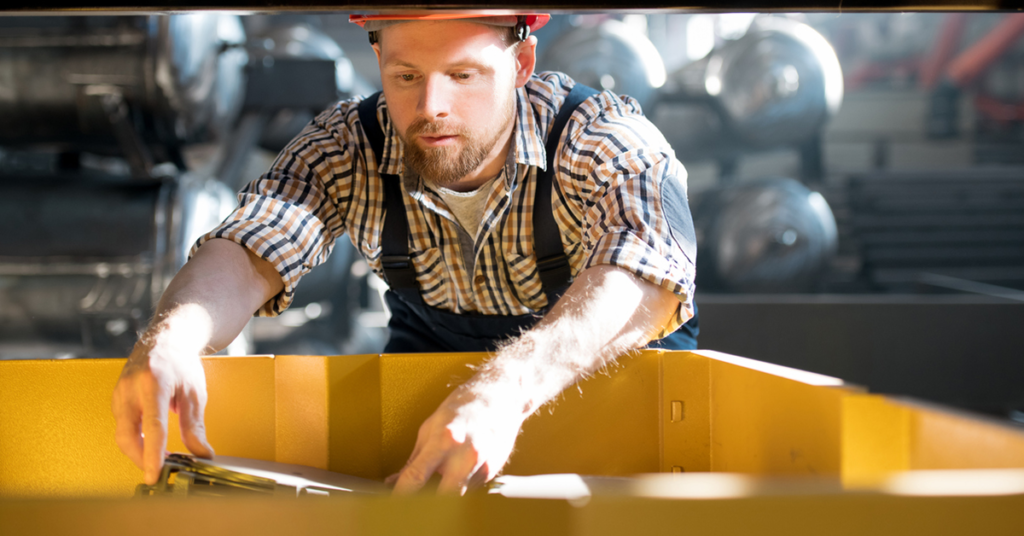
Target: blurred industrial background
{"type": "Point", "coordinates": [857, 180]}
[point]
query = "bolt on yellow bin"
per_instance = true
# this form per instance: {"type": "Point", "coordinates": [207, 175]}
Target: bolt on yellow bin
{"type": "Point", "coordinates": [741, 446]}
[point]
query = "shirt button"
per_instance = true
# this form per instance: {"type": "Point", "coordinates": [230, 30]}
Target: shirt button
{"type": "Point", "coordinates": [479, 280]}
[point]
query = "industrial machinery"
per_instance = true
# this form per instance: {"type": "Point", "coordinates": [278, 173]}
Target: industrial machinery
{"type": "Point", "coordinates": [101, 196]}
{"type": "Point", "coordinates": [87, 256]}
{"type": "Point", "coordinates": [97, 201]}
{"type": "Point", "coordinates": [768, 235]}
{"type": "Point", "coordinates": [608, 56]}
{"type": "Point", "coordinates": [274, 109]}
{"type": "Point", "coordinates": [134, 87]}
{"type": "Point", "coordinates": [299, 42]}
{"type": "Point", "coordinates": [775, 87]}
{"type": "Point", "coordinates": [951, 230]}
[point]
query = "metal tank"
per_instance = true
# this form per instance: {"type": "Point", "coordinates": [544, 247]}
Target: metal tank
{"type": "Point", "coordinates": [608, 56]}
{"type": "Point", "coordinates": [83, 260]}
{"type": "Point", "coordinates": [102, 215]}
{"type": "Point", "coordinates": [97, 209]}
{"type": "Point", "coordinates": [766, 235]}
{"type": "Point", "coordinates": [92, 83]}
{"type": "Point", "coordinates": [301, 42]}
{"type": "Point", "coordinates": [776, 86]}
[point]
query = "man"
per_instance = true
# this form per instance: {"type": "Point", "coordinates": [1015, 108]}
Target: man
{"type": "Point", "coordinates": [444, 183]}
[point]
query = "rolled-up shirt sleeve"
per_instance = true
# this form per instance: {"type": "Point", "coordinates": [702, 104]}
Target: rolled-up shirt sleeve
{"type": "Point", "coordinates": [633, 189]}
{"type": "Point", "coordinates": [290, 216]}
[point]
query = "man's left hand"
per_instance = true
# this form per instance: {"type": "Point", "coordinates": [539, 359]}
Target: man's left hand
{"type": "Point", "coordinates": [605, 313]}
{"type": "Point", "coordinates": [467, 440]}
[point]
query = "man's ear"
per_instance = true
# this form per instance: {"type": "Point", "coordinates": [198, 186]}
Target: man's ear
{"type": "Point", "coordinates": [376, 50]}
{"type": "Point", "coordinates": [526, 60]}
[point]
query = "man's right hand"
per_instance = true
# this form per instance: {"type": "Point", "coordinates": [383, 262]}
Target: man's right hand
{"type": "Point", "coordinates": [155, 380]}
{"type": "Point", "coordinates": [203, 309]}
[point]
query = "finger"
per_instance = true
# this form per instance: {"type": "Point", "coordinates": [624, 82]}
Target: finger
{"type": "Point", "coordinates": [457, 472]}
{"type": "Point", "coordinates": [154, 425]}
{"type": "Point", "coordinates": [390, 481]}
{"type": "Point", "coordinates": [128, 429]}
{"type": "Point", "coordinates": [414, 475]}
{"type": "Point", "coordinates": [415, 451]}
{"type": "Point", "coordinates": [421, 439]}
{"type": "Point", "coordinates": [191, 407]}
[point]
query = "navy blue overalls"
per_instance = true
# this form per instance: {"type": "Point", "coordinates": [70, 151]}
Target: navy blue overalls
{"type": "Point", "coordinates": [418, 327]}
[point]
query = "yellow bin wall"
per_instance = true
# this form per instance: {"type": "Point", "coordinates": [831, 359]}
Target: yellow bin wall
{"type": "Point", "coordinates": [656, 412]}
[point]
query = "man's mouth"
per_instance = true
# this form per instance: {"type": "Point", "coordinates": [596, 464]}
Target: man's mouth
{"type": "Point", "coordinates": [438, 140]}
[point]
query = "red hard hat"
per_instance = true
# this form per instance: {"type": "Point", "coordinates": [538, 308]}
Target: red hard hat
{"type": "Point", "coordinates": [534, 20]}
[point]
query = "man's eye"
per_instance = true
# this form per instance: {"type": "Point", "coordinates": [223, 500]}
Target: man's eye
{"type": "Point", "coordinates": [407, 77]}
{"type": "Point", "coordinates": [463, 76]}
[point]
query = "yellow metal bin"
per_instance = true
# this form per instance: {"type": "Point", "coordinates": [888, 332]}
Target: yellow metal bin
{"type": "Point", "coordinates": [667, 442]}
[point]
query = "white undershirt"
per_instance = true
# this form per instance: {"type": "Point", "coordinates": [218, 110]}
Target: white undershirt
{"type": "Point", "coordinates": [468, 207]}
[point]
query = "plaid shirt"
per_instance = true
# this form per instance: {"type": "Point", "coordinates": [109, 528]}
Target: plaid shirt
{"type": "Point", "coordinates": [611, 164]}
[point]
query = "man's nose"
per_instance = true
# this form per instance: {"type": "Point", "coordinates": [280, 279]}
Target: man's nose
{"type": "Point", "coordinates": [435, 99]}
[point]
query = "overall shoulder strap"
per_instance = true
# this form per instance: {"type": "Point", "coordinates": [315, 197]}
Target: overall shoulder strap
{"type": "Point", "coordinates": [368, 118]}
{"type": "Point", "coordinates": [552, 263]}
{"type": "Point", "coordinates": [398, 269]}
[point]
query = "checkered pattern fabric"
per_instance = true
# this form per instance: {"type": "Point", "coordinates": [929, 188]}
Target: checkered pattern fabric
{"type": "Point", "coordinates": [611, 165]}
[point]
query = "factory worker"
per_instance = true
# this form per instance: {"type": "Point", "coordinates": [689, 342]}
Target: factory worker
{"type": "Point", "coordinates": [509, 211]}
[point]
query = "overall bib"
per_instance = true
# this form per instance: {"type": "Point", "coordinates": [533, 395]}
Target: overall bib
{"type": "Point", "coordinates": [417, 327]}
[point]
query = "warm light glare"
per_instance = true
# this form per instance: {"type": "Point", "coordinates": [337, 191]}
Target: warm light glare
{"type": "Point", "coordinates": [968, 482]}
{"type": "Point", "coordinates": [693, 486]}
{"type": "Point", "coordinates": [700, 36]}
{"type": "Point", "coordinates": [648, 54]}
{"type": "Point", "coordinates": [713, 85]}
{"type": "Point", "coordinates": [802, 376]}
{"type": "Point", "coordinates": [559, 486]}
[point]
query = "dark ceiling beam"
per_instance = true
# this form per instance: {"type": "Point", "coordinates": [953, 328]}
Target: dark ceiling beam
{"type": "Point", "coordinates": [632, 6]}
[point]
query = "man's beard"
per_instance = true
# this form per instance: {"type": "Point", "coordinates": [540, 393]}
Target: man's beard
{"type": "Point", "coordinates": [447, 165]}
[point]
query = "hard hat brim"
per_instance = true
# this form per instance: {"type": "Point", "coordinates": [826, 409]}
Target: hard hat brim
{"type": "Point", "coordinates": [372, 23]}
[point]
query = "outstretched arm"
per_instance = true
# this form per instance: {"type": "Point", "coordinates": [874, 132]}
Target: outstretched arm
{"type": "Point", "coordinates": [605, 312]}
{"type": "Point", "coordinates": [203, 309]}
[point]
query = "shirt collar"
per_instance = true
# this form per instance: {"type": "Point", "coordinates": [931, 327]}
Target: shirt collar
{"type": "Point", "coordinates": [529, 141]}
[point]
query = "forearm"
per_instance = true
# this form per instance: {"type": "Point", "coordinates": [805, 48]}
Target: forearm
{"type": "Point", "coordinates": [206, 305]}
{"type": "Point", "coordinates": [605, 313]}
{"type": "Point", "coordinates": [211, 298]}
